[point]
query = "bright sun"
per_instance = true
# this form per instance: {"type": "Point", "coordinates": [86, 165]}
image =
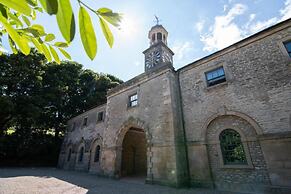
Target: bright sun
{"type": "Point", "coordinates": [128, 27]}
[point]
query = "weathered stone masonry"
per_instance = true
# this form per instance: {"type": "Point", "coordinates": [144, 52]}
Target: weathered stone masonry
{"type": "Point", "coordinates": [182, 118]}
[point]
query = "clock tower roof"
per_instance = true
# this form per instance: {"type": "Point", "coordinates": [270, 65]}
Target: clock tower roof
{"type": "Point", "coordinates": [158, 54]}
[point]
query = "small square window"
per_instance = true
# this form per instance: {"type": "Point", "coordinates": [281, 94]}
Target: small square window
{"type": "Point", "coordinates": [100, 116]}
{"type": "Point", "coordinates": [133, 100]}
{"type": "Point", "coordinates": [288, 47]}
{"type": "Point", "coordinates": [215, 76]}
{"type": "Point", "coordinates": [85, 121]}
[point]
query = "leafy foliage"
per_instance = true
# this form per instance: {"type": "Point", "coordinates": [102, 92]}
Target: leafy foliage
{"type": "Point", "coordinates": [17, 17]}
{"type": "Point", "coordinates": [37, 98]}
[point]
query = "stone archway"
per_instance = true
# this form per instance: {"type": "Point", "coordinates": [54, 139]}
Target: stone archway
{"type": "Point", "coordinates": [129, 125]}
{"type": "Point", "coordinates": [230, 174]}
{"type": "Point", "coordinates": [134, 153]}
{"type": "Point", "coordinates": [95, 155]}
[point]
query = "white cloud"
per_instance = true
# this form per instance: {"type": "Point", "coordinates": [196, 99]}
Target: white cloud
{"type": "Point", "coordinates": [262, 25]}
{"type": "Point", "coordinates": [182, 49]}
{"type": "Point", "coordinates": [200, 25]}
{"type": "Point", "coordinates": [286, 12]}
{"type": "Point", "coordinates": [252, 17]}
{"type": "Point", "coordinates": [224, 31]}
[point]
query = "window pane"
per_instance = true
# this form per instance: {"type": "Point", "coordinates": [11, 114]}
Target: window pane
{"type": "Point", "coordinates": [69, 155]}
{"type": "Point", "coordinates": [232, 148]}
{"type": "Point", "coordinates": [85, 121]}
{"type": "Point", "coordinates": [100, 116]}
{"type": "Point", "coordinates": [97, 154]}
{"type": "Point", "coordinates": [288, 46]}
{"type": "Point", "coordinates": [81, 154]}
{"type": "Point", "coordinates": [133, 103]}
{"type": "Point", "coordinates": [209, 76]}
{"type": "Point", "coordinates": [215, 76]}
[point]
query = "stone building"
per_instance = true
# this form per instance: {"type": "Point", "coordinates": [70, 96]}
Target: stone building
{"type": "Point", "coordinates": [223, 121]}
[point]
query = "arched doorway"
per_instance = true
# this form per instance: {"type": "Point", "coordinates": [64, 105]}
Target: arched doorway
{"type": "Point", "coordinates": [134, 149]}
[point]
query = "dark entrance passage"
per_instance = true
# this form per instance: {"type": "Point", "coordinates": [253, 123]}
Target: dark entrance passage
{"type": "Point", "coordinates": [134, 161]}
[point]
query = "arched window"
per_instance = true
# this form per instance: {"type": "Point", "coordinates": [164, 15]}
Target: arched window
{"type": "Point", "coordinates": [153, 37]}
{"type": "Point", "coordinates": [97, 153]}
{"type": "Point", "coordinates": [232, 148]}
{"type": "Point", "coordinates": [81, 154]}
{"type": "Point", "coordinates": [69, 154]}
{"type": "Point", "coordinates": [159, 36]}
{"type": "Point", "coordinates": [164, 38]}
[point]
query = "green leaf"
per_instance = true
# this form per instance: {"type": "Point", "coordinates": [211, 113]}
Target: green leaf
{"type": "Point", "coordinates": [32, 2]}
{"type": "Point", "coordinates": [3, 10]}
{"type": "Point", "coordinates": [49, 37]}
{"type": "Point", "coordinates": [103, 10]}
{"type": "Point", "coordinates": [107, 32]}
{"type": "Point", "coordinates": [66, 20]}
{"type": "Point", "coordinates": [46, 52]}
{"type": "Point", "coordinates": [37, 45]}
{"type": "Point", "coordinates": [50, 6]}
{"type": "Point", "coordinates": [12, 45]}
{"type": "Point", "coordinates": [65, 53]}
{"type": "Point", "coordinates": [20, 41]}
{"type": "Point", "coordinates": [15, 18]}
{"type": "Point", "coordinates": [109, 16]}
{"type": "Point", "coordinates": [18, 5]}
{"type": "Point", "coordinates": [55, 54]}
{"type": "Point", "coordinates": [26, 20]}
{"type": "Point", "coordinates": [61, 44]}
{"type": "Point", "coordinates": [33, 15]}
{"type": "Point", "coordinates": [87, 33]}
{"type": "Point", "coordinates": [39, 29]}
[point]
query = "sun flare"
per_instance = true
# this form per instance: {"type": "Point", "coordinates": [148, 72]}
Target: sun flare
{"type": "Point", "coordinates": [129, 27]}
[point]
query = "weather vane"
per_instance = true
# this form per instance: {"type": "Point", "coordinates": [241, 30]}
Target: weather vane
{"type": "Point", "coordinates": [157, 20]}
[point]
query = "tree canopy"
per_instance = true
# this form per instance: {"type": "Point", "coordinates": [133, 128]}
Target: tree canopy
{"type": "Point", "coordinates": [38, 98]}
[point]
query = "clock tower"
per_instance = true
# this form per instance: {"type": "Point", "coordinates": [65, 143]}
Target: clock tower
{"type": "Point", "coordinates": [158, 54]}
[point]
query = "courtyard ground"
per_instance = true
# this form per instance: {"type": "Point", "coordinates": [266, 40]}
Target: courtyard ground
{"type": "Point", "coordinates": [56, 181]}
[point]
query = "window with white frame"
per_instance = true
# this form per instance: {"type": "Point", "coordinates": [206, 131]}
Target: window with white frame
{"type": "Point", "coordinates": [133, 99]}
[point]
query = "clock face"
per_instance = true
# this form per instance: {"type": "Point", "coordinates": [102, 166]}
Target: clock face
{"type": "Point", "coordinates": [152, 59]}
{"type": "Point", "coordinates": [167, 58]}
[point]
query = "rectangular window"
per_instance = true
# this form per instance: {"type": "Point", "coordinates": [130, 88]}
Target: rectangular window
{"type": "Point", "coordinates": [100, 116]}
{"type": "Point", "coordinates": [215, 76]}
{"type": "Point", "coordinates": [85, 121]}
{"type": "Point", "coordinates": [133, 100]}
{"type": "Point", "coordinates": [288, 47]}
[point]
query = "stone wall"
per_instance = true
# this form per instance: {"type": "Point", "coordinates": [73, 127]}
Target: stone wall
{"type": "Point", "coordinates": [79, 135]}
{"type": "Point", "coordinates": [258, 89]}
{"type": "Point", "coordinates": [155, 115]}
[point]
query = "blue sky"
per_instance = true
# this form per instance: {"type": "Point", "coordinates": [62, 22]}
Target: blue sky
{"type": "Point", "coordinates": [196, 29]}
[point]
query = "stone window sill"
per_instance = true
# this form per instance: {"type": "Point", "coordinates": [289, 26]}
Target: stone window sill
{"type": "Point", "coordinates": [240, 166]}
{"type": "Point", "coordinates": [220, 85]}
